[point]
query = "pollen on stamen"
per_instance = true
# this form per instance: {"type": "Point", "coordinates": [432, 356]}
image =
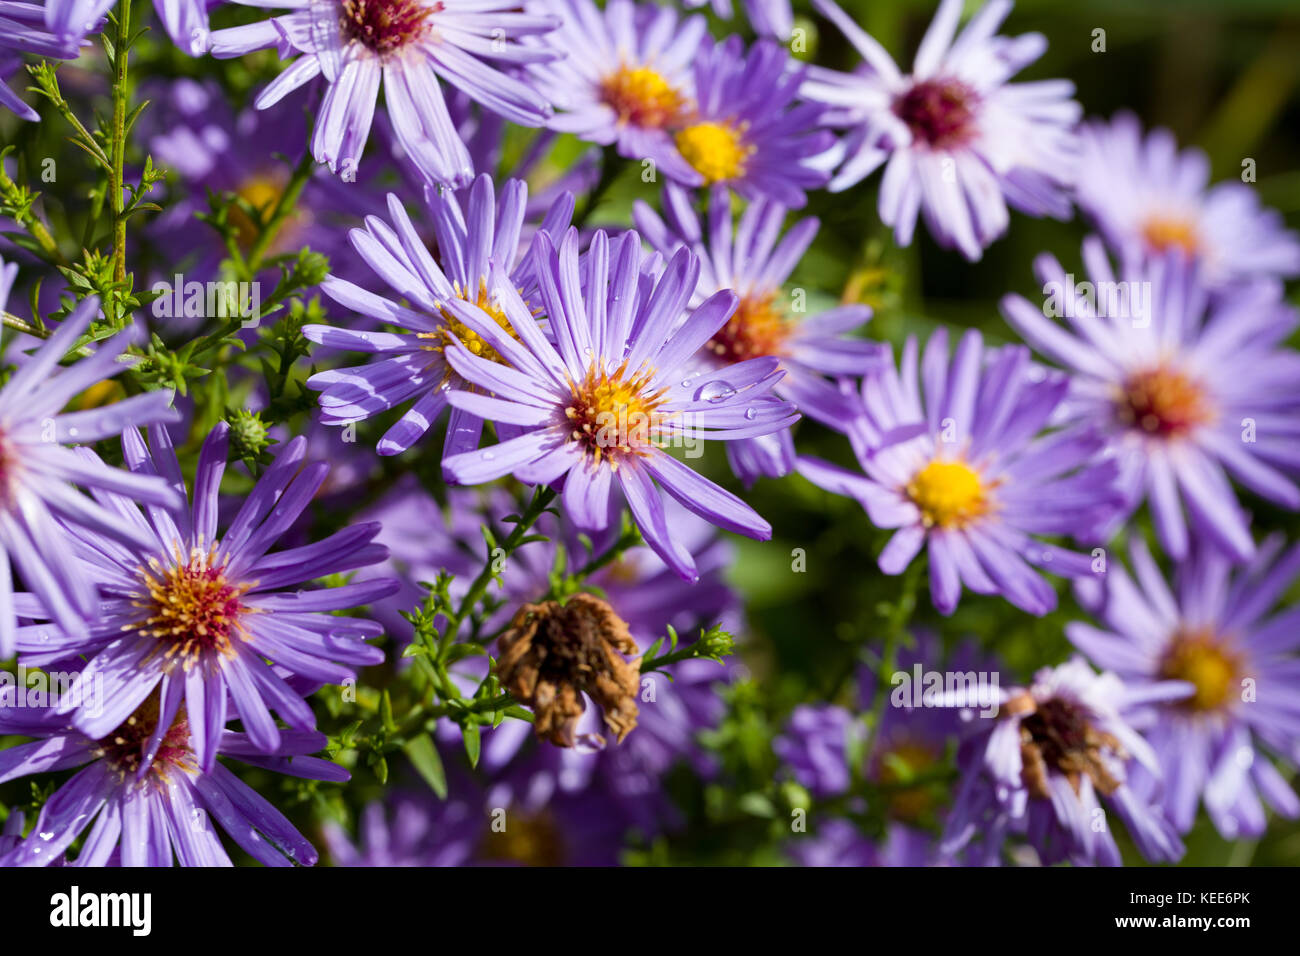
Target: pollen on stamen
{"type": "Point", "coordinates": [614, 414]}
{"type": "Point", "coordinates": [190, 608]}
{"type": "Point", "coordinates": [123, 749]}
{"type": "Point", "coordinates": [757, 329]}
{"type": "Point", "coordinates": [642, 97]}
{"type": "Point", "coordinates": [1163, 233]}
{"type": "Point", "coordinates": [386, 26]}
{"type": "Point", "coordinates": [1163, 402]}
{"type": "Point", "coordinates": [717, 151]}
{"type": "Point", "coordinates": [1205, 661]}
{"type": "Point", "coordinates": [453, 330]}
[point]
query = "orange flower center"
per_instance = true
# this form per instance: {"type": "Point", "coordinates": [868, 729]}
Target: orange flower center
{"type": "Point", "coordinates": [1201, 659]}
{"type": "Point", "coordinates": [1163, 401]}
{"type": "Point", "coordinates": [614, 414]}
{"type": "Point", "coordinates": [757, 329]}
{"type": "Point", "coordinates": [642, 97]}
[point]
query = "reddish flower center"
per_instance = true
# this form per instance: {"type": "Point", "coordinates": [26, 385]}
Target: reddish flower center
{"type": "Point", "coordinates": [123, 749]}
{"type": "Point", "coordinates": [940, 113]}
{"type": "Point", "coordinates": [1163, 401]}
{"type": "Point", "coordinates": [190, 608]}
{"type": "Point", "coordinates": [755, 330]}
{"type": "Point", "coordinates": [386, 25]}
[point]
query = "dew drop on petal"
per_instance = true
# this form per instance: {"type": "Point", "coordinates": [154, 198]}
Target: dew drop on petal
{"type": "Point", "coordinates": [751, 413]}
{"type": "Point", "coordinates": [716, 392]}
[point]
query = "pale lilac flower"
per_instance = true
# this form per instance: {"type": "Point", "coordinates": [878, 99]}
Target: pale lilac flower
{"type": "Point", "coordinates": [625, 78]}
{"type": "Point", "coordinates": [754, 260]}
{"type": "Point", "coordinates": [38, 473]}
{"type": "Point", "coordinates": [596, 407]}
{"type": "Point", "coordinates": [205, 621]}
{"type": "Point", "coordinates": [1147, 198]}
{"type": "Point", "coordinates": [409, 47]}
{"type": "Point", "coordinates": [485, 232]}
{"type": "Point", "coordinates": [960, 142]}
{"type": "Point", "coordinates": [1051, 764]}
{"type": "Point", "coordinates": [1183, 384]}
{"type": "Point", "coordinates": [1216, 629]}
{"type": "Point", "coordinates": [980, 485]}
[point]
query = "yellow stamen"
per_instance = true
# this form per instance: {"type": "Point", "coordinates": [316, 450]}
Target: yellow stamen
{"type": "Point", "coordinates": [1200, 658]}
{"type": "Point", "coordinates": [642, 97]}
{"type": "Point", "coordinates": [614, 414]}
{"type": "Point", "coordinates": [717, 151]}
{"type": "Point", "coordinates": [1163, 233]}
{"type": "Point", "coordinates": [949, 494]}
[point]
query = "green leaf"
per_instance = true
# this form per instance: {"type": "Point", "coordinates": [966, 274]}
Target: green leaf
{"type": "Point", "coordinates": [424, 757]}
{"type": "Point", "coordinates": [472, 742]}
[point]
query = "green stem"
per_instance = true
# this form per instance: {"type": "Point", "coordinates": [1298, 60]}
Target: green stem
{"type": "Point", "coordinates": [284, 205]}
{"type": "Point", "coordinates": [121, 97]}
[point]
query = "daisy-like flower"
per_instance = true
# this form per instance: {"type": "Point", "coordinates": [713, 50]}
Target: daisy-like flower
{"type": "Point", "coordinates": [625, 79]}
{"type": "Point", "coordinates": [746, 130]}
{"type": "Point", "coordinates": [413, 364]}
{"type": "Point", "coordinates": [194, 616]}
{"type": "Point", "coordinates": [142, 799]}
{"type": "Point", "coordinates": [979, 486]}
{"type": "Point", "coordinates": [1185, 384]}
{"type": "Point", "coordinates": [1147, 198]}
{"type": "Point", "coordinates": [37, 473]}
{"type": "Point", "coordinates": [186, 21]}
{"type": "Point", "coordinates": [960, 142]}
{"type": "Point", "coordinates": [407, 46]}
{"type": "Point", "coordinates": [1217, 631]}
{"type": "Point", "coordinates": [769, 18]}
{"type": "Point", "coordinates": [1050, 765]}
{"type": "Point", "coordinates": [755, 261]}
{"type": "Point", "coordinates": [597, 407]}
{"type": "Point", "coordinates": [47, 32]}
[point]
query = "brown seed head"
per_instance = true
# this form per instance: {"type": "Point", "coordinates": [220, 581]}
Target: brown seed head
{"type": "Point", "coordinates": [553, 653]}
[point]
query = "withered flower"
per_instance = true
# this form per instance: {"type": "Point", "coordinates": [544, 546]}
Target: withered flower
{"type": "Point", "coordinates": [553, 653]}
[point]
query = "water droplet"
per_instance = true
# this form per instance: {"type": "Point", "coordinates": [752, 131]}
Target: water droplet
{"type": "Point", "coordinates": [488, 456]}
{"type": "Point", "coordinates": [72, 432]}
{"type": "Point", "coordinates": [751, 413]}
{"type": "Point", "coordinates": [716, 392]}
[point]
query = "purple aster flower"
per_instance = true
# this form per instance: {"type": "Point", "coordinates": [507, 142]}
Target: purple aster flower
{"type": "Point", "coordinates": [769, 18]}
{"type": "Point", "coordinates": [597, 407]}
{"type": "Point", "coordinates": [408, 46]}
{"type": "Point", "coordinates": [142, 798]}
{"type": "Point", "coordinates": [50, 31]}
{"type": "Point", "coordinates": [186, 21]}
{"type": "Point", "coordinates": [409, 829]}
{"type": "Point", "coordinates": [815, 745]}
{"type": "Point", "coordinates": [1051, 764]}
{"type": "Point", "coordinates": [745, 128]}
{"type": "Point", "coordinates": [1185, 385]}
{"type": "Point", "coordinates": [37, 473]}
{"type": "Point", "coordinates": [1147, 198]}
{"type": "Point", "coordinates": [961, 142]}
{"type": "Point", "coordinates": [980, 486]}
{"type": "Point", "coordinates": [414, 363]}
{"type": "Point", "coordinates": [1216, 631]}
{"type": "Point", "coordinates": [624, 79]}
{"type": "Point", "coordinates": [195, 616]}
{"type": "Point", "coordinates": [756, 265]}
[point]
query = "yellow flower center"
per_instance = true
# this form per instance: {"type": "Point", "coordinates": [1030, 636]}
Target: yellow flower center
{"type": "Point", "coordinates": [190, 608]}
{"type": "Point", "coordinates": [642, 97]}
{"type": "Point", "coordinates": [453, 330]}
{"type": "Point", "coordinates": [1163, 401]}
{"type": "Point", "coordinates": [949, 494]}
{"type": "Point", "coordinates": [1201, 659]}
{"type": "Point", "coordinates": [716, 150]}
{"type": "Point", "coordinates": [756, 329]}
{"type": "Point", "coordinates": [614, 414]}
{"type": "Point", "coordinates": [1162, 233]}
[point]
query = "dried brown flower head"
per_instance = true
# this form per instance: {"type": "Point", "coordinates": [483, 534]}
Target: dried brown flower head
{"type": "Point", "coordinates": [1056, 735]}
{"type": "Point", "coordinates": [553, 653]}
